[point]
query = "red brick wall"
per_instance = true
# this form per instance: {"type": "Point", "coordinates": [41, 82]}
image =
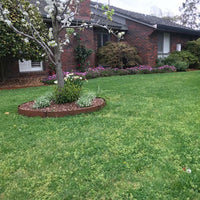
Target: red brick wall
{"type": "Point", "coordinates": [84, 10]}
{"type": "Point", "coordinates": [143, 38]}
{"type": "Point", "coordinates": [180, 39]}
{"type": "Point", "coordinates": [68, 57]}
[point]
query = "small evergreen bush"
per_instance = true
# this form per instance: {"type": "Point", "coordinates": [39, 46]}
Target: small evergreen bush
{"type": "Point", "coordinates": [85, 100]}
{"type": "Point", "coordinates": [194, 48]}
{"type": "Point", "coordinates": [181, 66]}
{"type": "Point", "coordinates": [43, 101]}
{"type": "Point", "coordinates": [175, 58]}
{"type": "Point", "coordinates": [69, 93]}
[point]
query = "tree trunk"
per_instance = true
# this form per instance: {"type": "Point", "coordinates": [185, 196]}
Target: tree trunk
{"type": "Point", "coordinates": [59, 71]}
{"type": "Point", "coordinates": [57, 52]}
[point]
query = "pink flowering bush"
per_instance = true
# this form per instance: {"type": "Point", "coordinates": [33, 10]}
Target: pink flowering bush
{"type": "Point", "coordinates": [104, 72]}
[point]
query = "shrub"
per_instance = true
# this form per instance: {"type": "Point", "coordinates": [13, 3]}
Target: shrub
{"type": "Point", "coordinates": [71, 78]}
{"type": "Point", "coordinates": [85, 100]}
{"type": "Point", "coordinates": [194, 48]}
{"type": "Point", "coordinates": [43, 101]}
{"type": "Point", "coordinates": [71, 90]}
{"type": "Point", "coordinates": [118, 55]}
{"type": "Point", "coordinates": [181, 66]}
{"type": "Point", "coordinates": [67, 94]}
{"type": "Point", "coordinates": [178, 56]}
{"type": "Point", "coordinates": [81, 54]}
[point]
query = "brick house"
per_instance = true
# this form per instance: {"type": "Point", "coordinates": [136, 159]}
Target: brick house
{"type": "Point", "coordinates": [152, 36]}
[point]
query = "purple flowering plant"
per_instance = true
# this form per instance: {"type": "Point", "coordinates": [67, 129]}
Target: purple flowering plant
{"type": "Point", "coordinates": [103, 72]}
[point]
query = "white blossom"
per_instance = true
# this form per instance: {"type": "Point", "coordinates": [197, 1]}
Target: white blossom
{"type": "Point", "coordinates": [23, 21]}
{"type": "Point", "coordinates": [121, 34]}
{"type": "Point", "coordinates": [6, 11]}
{"type": "Point", "coordinates": [26, 40]}
{"type": "Point", "coordinates": [50, 33]}
{"type": "Point", "coordinates": [66, 41]}
{"type": "Point", "coordinates": [52, 43]}
{"type": "Point", "coordinates": [25, 13]}
{"type": "Point", "coordinates": [58, 18]}
{"type": "Point", "coordinates": [8, 22]}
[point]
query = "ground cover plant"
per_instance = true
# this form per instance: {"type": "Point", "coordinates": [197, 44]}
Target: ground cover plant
{"type": "Point", "coordinates": [108, 71]}
{"type": "Point", "coordinates": [143, 145]}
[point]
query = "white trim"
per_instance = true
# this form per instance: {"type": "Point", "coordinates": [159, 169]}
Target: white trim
{"type": "Point", "coordinates": [178, 47]}
{"type": "Point", "coordinates": [30, 66]}
{"type": "Point", "coordinates": [166, 43]}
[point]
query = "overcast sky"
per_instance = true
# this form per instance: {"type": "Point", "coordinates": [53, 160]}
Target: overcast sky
{"type": "Point", "coordinates": [147, 6]}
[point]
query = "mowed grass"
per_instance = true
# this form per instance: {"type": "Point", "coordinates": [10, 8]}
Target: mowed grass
{"type": "Point", "coordinates": [135, 148]}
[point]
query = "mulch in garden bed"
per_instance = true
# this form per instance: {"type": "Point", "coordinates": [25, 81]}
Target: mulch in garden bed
{"type": "Point", "coordinates": [22, 82]}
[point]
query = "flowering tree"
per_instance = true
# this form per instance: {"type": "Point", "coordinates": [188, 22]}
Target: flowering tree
{"type": "Point", "coordinates": [60, 12]}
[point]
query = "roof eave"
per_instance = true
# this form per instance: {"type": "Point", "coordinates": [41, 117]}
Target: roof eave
{"type": "Point", "coordinates": [180, 30]}
{"type": "Point", "coordinates": [129, 18]}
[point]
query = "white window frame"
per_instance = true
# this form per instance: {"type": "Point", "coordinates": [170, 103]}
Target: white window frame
{"type": "Point", "coordinates": [165, 46]}
{"type": "Point", "coordinates": [28, 66]}
{"type": "Point", "coordinates": [178, 47]}
{"type": "Point", "coordinates": [166, 43]}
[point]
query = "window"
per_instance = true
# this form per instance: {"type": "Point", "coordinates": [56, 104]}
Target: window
{"type": "Point", "coordinates": [30, 66]}
{"type": "Point", "coordinates": [163, 45]}
{"type": "Point", "coordinates": [102, 38]}
{"type": "Point", "coordinates": [178, 47]}
{"type": "Point", "coordinates": [35, 64]}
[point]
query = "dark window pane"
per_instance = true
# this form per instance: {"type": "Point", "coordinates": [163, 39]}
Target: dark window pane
{"type": "Point", "coordinates": [35, 64]}
{"type": "Point", "coordinates": [105, 39]}
{"type": "Point", "coordinates": [160, 42]}
{"type": "Point", "coordinates": [99, 42]}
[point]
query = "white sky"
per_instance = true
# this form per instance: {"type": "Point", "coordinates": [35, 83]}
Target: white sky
{"type": "Point", "coordinates": [147, 6]}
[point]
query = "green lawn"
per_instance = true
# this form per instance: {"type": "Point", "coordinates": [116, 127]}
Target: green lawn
{"type": "Point", "coordinates": [135, 148]}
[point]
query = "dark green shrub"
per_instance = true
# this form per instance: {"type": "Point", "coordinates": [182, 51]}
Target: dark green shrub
{"type": "Point", "coordinates": [81, 54]}
{"type": "Point", "coordinates": [118, 55]}
{"type": "Point", "coordinates": [194, 48]}
{"type": "Point", "coordinates": [69, 93]}
{"type": "Point", "coordinates": [185, 56]}
{"type": "Point", "coordinates": [178, 56]}
{"type": "Point", "coordinates": [181, 66]}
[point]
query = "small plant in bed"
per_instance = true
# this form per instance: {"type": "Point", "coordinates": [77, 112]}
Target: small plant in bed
{"type": "Point", "coordinates": [86, 99]}
{"type": "Point", "coordinates": [43, 101]}
{"type": "Point", "coordinates": [71, 92]}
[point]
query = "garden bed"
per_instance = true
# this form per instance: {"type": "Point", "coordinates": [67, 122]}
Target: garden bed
{"type": "Point", "coordinates": [21, 82]}
{"type": "Point", "coordinates": [59, 110]}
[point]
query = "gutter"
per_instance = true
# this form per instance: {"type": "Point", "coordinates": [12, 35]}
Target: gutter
{"type": "Point", "coordinates": [162, 27]}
